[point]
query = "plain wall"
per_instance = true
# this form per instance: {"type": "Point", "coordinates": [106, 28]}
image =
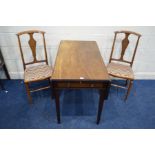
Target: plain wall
{"type": "Point", "coordinates": [144, 64]}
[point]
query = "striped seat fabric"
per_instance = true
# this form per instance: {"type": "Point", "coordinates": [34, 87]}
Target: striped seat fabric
{"type": "Point", "coordinates": [119, 70]}
{"type": "Point", "coordinates": [39, 72]}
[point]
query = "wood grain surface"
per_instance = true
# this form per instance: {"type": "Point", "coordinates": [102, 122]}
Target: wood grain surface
{"type": "Point", "coordinates": [79, 60]}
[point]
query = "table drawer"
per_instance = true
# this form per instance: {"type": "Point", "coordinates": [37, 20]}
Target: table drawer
{"type": "Point", "coordinates": [80, 84]}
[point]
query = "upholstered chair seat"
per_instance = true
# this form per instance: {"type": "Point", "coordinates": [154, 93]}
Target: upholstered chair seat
{"type": "Point", "coordinates": [120, 71]}
{"type": "Point", "coordinates": [37, 73]}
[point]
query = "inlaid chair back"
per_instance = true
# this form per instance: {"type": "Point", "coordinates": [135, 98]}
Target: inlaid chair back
{"type": "Point", "coordinates": [124, 44]}
{"type": "Point", "coordinates": [32, 44]}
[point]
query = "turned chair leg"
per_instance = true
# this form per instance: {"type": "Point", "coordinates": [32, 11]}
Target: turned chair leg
{"type": "Point", "coordinates": [129, 88]}
{"type": "Point", "coordinates": [28, 92]}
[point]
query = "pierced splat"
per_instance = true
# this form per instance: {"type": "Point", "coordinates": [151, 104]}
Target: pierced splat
{"type": "Point", "coordinates": [125, 44]}
{"type": "Point", "coordinates": [32, 44]}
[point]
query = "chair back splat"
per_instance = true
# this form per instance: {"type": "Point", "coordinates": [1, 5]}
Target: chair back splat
{"type": "Point", "coordinates": [125, 42]}
{"type": "Point", "coordinates": [32, 43]}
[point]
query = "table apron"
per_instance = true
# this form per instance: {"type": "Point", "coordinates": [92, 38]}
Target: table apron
{"type": "Point", "coordinates": [79, 84]}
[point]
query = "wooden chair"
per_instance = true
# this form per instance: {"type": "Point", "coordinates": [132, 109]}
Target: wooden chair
{"type": "Point", "coordinates": [35, 73]}
{"type": "Point", "coordinates": [3, 66]}
{"type": "Point", "coordinates": [119, 67]}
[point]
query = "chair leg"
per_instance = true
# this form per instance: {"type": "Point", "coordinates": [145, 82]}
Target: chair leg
{"type": "Point", "coordinates": [126, 82]}
{"type": "Point", "coordinates": [28, 92]}
{"type": "Point", "coordinates": [6, 72]}
{"type": "Point", "coordinates": [128, 91]}
{"type": "Point", "coordinates": [50, 83]}
{"type": "Point", "coordinates": [1, 84]}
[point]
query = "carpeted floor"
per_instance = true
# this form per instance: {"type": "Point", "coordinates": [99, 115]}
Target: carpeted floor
{"type": "Point", "coordinates": [78, 108]}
